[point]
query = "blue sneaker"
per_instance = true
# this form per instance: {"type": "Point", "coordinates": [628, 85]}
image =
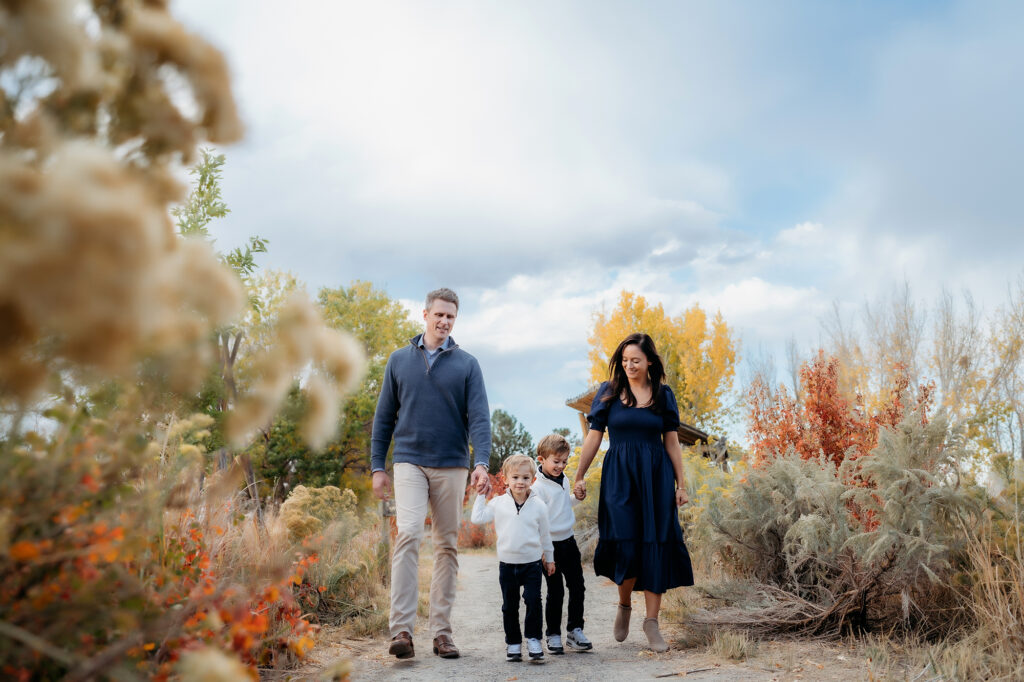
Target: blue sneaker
{"type": "Point", "coordinates": [514, 652]}
{"type": "Point", "coordinates": [555, 644]}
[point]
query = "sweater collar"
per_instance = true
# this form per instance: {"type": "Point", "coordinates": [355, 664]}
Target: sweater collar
{"type": "Point", "coordinates": [513, 498]}
{"type": "Point", "coordinates": [560, 479]}
{"type": "Point", "coordinates": [449, 343]}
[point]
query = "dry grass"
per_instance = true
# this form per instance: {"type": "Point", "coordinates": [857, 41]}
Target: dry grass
{"type": "Point", "coordinates": [353, 569]}
{"type": "Point", "coordinates": [348, 583]}
{"type": "Point", "coordinates": [994, 649]}
{"type": "Point", "coordinates": [244, 550]}
{"type": "Point", "coordinates": [732, 645]}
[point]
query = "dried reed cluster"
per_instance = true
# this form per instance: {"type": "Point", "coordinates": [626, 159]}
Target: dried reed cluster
{"type": "Point", "coordinates": [91, 273]}
{"type": "Point", "coordinates": [301, 340]}
{"type": "Point", "coordinates": [117, 553]}
{"type": "Point", "coordinates": [111, 100]}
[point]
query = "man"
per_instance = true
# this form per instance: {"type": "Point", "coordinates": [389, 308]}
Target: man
{"type": "Point", "coordinates": [432, 401]}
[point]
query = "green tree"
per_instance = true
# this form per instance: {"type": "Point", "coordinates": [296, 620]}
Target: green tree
{"type": "Point", "coordinates": [285, 460]}
{"type": "Point", "coordinates": [203, 205]}
{"type": "Point", "coordinates": [381, 325]}
{"type": "Point", "coordinates": [572, 436]}
{"type": "Point", "coordinates": [508, 437]}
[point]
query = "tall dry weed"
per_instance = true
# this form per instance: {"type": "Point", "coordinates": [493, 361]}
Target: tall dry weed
{"type": "Point", "coordinates": [732, 645]}
{"type": "Point", "coordinates": [114, 554]}
{"type": "Point", "coordinates": [353, 567]}
{"type": "Point", "coordinates": [994, 649]}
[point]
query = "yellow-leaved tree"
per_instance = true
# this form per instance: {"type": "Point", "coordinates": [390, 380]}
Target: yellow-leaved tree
{"type": "Point", "coordinates": [699, 352]}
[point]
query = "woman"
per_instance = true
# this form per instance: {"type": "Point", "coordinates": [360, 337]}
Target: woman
{"type": "Point", "coordinates": [640, 544]}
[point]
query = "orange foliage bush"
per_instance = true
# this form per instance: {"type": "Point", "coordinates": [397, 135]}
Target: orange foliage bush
{"type": "Point", "coordinates": [473, 536]}
{"type": "Point", "coordinates": [263, 625]}
{"type": "Point", "coordinates": [821, 421]}
{"type": "Point", "coordinates": [108, 565]}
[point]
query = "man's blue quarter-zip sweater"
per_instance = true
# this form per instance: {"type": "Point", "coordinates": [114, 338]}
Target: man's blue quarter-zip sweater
{"type": "Point", "coordinates": [431, 412]}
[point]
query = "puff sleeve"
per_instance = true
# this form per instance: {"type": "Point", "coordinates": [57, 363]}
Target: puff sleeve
{"type": "Point", "coordinates": [669, 410]}
{"type": "Point", "coordinates": [598, 416]}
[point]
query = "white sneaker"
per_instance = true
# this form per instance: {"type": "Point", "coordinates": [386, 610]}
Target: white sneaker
{"type": "Point", "coordinates": [577, 641]}
{"type": "Point", "coordinates": [536, 651]}
{"type": "Point", "coordinates": [555, 644]}
{"type": "Point", "coordinates": [514, 652]}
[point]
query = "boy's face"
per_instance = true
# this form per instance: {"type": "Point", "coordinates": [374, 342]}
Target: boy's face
{"type": "Point", "coordinates": [519, 480]}
{"type": "Point", "coordinates": [554, 464]}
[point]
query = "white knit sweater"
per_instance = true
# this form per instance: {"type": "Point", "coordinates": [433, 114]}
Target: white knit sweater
{"type": "Point", "coordinates": [560, 502]}
{"type": "Point", "coordinates": [523, 534]}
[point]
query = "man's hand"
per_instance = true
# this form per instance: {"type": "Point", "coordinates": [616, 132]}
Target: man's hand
{"type": "Point", "coordinates": [549, 567]}
{"type": "Point", "coordinates": [580, 490]}
{"type": "Point", "coordinates": [381, 485]}
{"type": "Point", "coordinates": [480, 480]}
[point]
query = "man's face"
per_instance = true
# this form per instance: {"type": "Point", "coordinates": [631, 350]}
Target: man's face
{"type": "Point", "coordinates": [439, 318]}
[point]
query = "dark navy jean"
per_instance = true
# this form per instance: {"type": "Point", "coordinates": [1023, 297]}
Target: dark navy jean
{"type": "Point", "coordinates": [516, 579]}
{"type": "Point", "coordinates": [568, 567]}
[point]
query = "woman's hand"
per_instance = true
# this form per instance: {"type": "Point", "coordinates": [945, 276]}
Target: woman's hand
{"type": "Point", "coordinates": [681, 496]}
{"type": "Point", "coordinates": [580, 490]}
{"type": "Point", "coordinates": [549, 567]}
{"type": "Point", "coordinates": [591, 443]}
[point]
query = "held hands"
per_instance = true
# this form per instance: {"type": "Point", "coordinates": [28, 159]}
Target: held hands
{"type": "Point", "coordinates": [549, 567]}
{"type": "Point", "coordinates": [580, 490]}
{"type": "Point", "coordinates": [480, 480]}
{"type": "Point", "coordinates": [681, 496]}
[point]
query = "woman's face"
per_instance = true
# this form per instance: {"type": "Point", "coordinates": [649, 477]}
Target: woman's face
{"type": "Point", "coordinates": [634, 362]}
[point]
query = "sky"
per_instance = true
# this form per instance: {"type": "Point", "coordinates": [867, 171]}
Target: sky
{"type": "Point", "coordinates": [766, 160]}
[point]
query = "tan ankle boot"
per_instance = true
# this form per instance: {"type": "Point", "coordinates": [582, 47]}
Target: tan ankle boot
{"type": "Point", "coordinates": [621, 628]}
{"type": "Point", "coordinates": [654, 637]}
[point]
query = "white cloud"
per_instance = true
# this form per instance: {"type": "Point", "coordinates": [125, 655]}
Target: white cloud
{"type": "Point", "coordinates": [802, 234]}
{"type": "Point", "coordinates": [540, 157]}
{"type": "Point", "coordinates": [417, 127]}
{"type": "Point", "coordinates": [773, 311]}
{"type": "Point", "coordinates": [530, 313]}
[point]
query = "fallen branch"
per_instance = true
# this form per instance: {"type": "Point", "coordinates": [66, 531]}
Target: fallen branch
{"type": "Point", "coordinates": [684, 673]}
{"type": "Point", "coordinates": [39, 644]}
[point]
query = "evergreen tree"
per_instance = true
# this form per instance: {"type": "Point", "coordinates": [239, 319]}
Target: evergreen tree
{"type": "Point", "coordinates": [508, 437]}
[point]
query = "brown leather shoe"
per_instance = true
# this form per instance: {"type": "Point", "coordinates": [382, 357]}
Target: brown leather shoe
{"type": "Point", "coordinates": [401, 645]}
{"type": "Point", "coordinates": [445, 647]}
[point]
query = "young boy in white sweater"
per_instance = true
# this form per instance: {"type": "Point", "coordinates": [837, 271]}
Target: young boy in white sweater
{"type": "Point", "coordinates": [553, 487]}
{"type": "Point", "coordinates": [524, 553]}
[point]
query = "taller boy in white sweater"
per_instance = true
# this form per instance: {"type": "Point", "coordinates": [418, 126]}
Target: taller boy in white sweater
{"type": "Point", "coordinates": [524, 553]}
{"type": "Point", "coordinates": [553, 487]}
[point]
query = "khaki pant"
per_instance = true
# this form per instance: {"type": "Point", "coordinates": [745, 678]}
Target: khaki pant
{"type": "Point", "coordinates": [417, 489]}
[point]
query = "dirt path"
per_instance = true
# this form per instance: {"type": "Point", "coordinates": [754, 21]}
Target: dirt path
{"type": "Point", "coordinates": [477, 632]}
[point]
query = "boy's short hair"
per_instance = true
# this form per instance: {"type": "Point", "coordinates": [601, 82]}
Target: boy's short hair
{"type": "Point", "coordinates": [445, 294]}
{"type": "Point", "coordinates": [553, 444]}
{"type": "Point", "coordinates": [514, 462]}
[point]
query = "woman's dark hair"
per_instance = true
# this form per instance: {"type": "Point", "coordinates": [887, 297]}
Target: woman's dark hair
{"type": "Point", "coordinates": [618, 382]}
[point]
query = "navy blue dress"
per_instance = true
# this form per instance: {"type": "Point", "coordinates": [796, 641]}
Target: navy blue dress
{"type": "Point", "coordinates": [637, 519]}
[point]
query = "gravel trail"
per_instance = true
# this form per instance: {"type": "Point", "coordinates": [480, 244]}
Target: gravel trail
{"type": "Point", "coordinates": [476, 620]}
